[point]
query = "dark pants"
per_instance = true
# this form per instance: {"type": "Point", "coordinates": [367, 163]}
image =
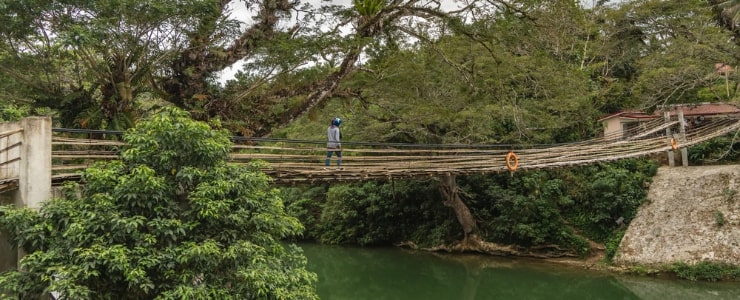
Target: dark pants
{"type": "Point", "coordinates": [328, 157]}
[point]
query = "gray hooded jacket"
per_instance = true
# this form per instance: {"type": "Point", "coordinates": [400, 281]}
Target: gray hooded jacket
{"type": "Point", "coordinates": [333, 134]}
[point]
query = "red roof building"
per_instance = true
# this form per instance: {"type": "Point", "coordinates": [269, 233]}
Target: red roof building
{"type": "Point", "coordinates": [618, 125]}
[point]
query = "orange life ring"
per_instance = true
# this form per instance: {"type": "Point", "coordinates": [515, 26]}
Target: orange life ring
{"type": "Point", "coordinates": [674, 143]}
{"type": "Point", "coordinates": [512, 161]}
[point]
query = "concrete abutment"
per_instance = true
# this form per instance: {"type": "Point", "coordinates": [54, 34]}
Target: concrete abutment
{"type": "Point", "coordinates": [33, 171]}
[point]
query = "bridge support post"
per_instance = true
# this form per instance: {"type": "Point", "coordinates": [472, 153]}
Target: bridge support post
{"type": "Point", "coordinates": [669, 134]}
{"type": "Point", "coordinates": [34, 179]}
{"type": "Point", "coordinates": [34, 176]}
{"type": "Point", "coordinates": [682, 131]}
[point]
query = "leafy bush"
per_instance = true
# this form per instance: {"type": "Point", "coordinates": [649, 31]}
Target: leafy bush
{"type": "Point", "coordinates": [374, 213]}
{"type": "Point", "coordinates": [704, 270]}
{"type": "Point", "coordinates": [170, 220]}
{"type": "Point", "coordinates": [523, 210]}
{"type": "Point", "coordinates": [10, 112]}
{"type": "Point", "coordinates": [612, 245]}
{"type": "Point", "coordinates": [725, 149]}
{"type": "Point", "coordinates": [607, 193]}
{"type": "Point", "coordinates": [306, 204]}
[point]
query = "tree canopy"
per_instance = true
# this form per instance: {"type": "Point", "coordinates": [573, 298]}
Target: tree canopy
{"type": "Point", "coordinates": [531, 64]}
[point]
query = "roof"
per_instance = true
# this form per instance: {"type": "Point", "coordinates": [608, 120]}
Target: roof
{"type": "Point", "coordinates": [628, 115]}
{"type": "Point", "coordinates": [703, 109]}
{"type": "Point", "coordinates": [700, 109]}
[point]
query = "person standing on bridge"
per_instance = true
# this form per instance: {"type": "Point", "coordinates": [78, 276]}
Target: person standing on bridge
{"type": "Point", "coordinates": [334, 144]}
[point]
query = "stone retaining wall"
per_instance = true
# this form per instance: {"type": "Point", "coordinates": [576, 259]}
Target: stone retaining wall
{"type": "Point", "coordinates": [692, 214]}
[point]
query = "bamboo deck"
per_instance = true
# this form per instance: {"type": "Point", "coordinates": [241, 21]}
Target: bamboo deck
{"type": "Point", "coordinates": [303, 161]}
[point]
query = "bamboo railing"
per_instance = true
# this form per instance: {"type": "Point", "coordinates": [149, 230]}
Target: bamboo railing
{"type": "Point", "coordinates": [294, 161]}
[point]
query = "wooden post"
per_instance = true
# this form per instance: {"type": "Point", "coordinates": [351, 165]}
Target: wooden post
{"type": "Point", "coordinates": [668, 134]}
{"type": "Point", "coordinates": [682, 131]}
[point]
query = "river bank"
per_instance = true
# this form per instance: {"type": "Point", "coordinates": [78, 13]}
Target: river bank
{"type": "Point", "coordinates": [691, 218]}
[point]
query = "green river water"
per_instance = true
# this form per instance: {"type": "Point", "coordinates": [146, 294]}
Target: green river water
{"type": "Point", "coordinates": [393, 273]}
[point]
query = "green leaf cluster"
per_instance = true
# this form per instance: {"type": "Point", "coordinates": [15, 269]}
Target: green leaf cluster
{"type": "Point", "coordinates": [708, 271]}
{"type": "Point", "coordinates": [606, 196]}
{"type": "Point", "coordinates": [374, 213]}
{"type": "Point", "coordinates": [171, 220]}
{"type": "Point", "coordinates": [368, 7]}
{"type": "Point", "coordinates": [721, 150]}
{"type": "Point", "coordinates": [10, 112]}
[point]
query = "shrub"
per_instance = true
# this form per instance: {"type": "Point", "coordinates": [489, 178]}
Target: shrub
{"type": "Point", "coordinates": [704, 270]}
{"type": "Point", "coordinates": [612, 245]}
{"type": "Point", "coordinates": [170, 220]}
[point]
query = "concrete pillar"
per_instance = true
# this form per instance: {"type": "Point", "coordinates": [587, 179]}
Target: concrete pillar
{"type": "Point", "coordinates": [682, 131]}
{"type": "Point", "coordinates": [669, 134]}
{"type": "Point", "coordinates": [34, 178]}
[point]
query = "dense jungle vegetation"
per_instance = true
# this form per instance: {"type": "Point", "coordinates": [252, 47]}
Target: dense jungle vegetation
{"type": "Point", "coordinates": [404, 71]}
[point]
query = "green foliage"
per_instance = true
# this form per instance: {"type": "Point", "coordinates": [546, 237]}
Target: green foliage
{"type": "Point", "coordinates": [522, 210]}
{"type": "Point", "coordinates": [606, 193]}
{"type": "Point", "coordinates": [612, 245]}
{"type": "Point", "coordinates": [719, 218]}
{"type": "Point", "coordinates": [678, 68]}
{"type": "Point", "coordinates": [373, 213]}
{"type": "Point", "coordinates": [705, 270]}
{"type": "Point", "coordinates": [529, 209]}
{"type": "Point", "coordinates": [368, 7]}
{"type": "Point", "coordinates": [10, 112]}
{"type": "Point", "coordinates": [306, 204]}
{"type": "Point", "coordinates": [642, 270]}
{"type": "Point", "coordinates": [729, 195]}
{"type": "Point", "coordinates": [170, 220]}
{"type": "Point", "coordinates": [720, 150]}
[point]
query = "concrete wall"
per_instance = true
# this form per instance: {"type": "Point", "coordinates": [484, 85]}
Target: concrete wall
{"type": "Point", "coordinates": [680, 222]}
{"type": "Point", "coordinates": [9, 151]}
{"type": "Point", "coordinates": [34, 183]}
{"type": "Point", "coordinates": [613, 128]}
{"type": "Point", "coordinates": [34, 176]}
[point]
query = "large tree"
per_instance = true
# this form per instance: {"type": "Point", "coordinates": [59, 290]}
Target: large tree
{"type": "Point", "coordinates": [95, 60]}
{"type": "Point", "coordinates": [172, 219]}
{"type": "Point", "coordinates": [683, 46]}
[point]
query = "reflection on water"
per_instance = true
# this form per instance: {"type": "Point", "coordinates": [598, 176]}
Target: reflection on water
{"type": "Point", "coordinates": [390, 273]}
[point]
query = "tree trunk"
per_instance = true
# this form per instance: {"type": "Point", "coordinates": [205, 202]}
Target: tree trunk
{"type": "Point", "coordinates": [448, 187]}
{"type": "Point", "coordinates": [188, 86]}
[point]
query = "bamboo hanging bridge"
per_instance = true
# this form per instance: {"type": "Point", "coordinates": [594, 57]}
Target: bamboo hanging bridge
{"type": "Point", "coordinates": [300, 161]}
